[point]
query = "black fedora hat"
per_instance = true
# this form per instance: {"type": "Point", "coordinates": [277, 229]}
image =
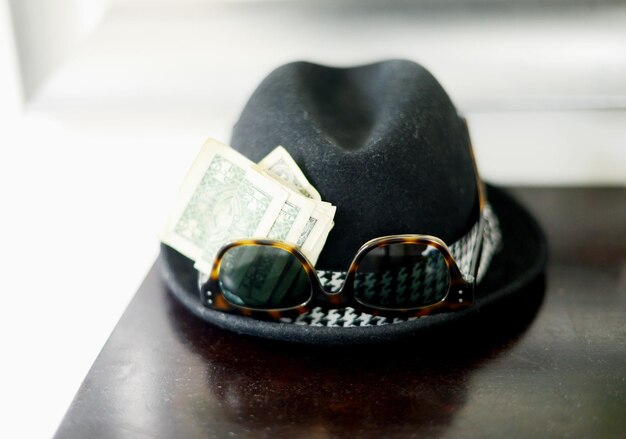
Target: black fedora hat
{"type": "Point", "coordinates": [384, 143]}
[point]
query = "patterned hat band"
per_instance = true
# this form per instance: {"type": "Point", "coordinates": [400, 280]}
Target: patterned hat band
{"type": "Point", "coordinates": [395, 286]}
{"type": "Point", "coordinates": [461, 251]}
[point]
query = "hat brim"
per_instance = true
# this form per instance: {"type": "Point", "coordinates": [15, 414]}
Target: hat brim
{"type": "Point", "coordinates": [513, 270]}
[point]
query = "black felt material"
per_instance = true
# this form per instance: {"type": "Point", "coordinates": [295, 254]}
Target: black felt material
{"type": "Point", "coordinates": [382, 142]}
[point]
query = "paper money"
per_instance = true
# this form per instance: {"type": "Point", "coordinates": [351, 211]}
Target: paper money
{"type": "Point", "coordinates": [279, 164]}
{"type": "Point", "coordinates": [292, 219]}
{"type": "Point", "coordinates": [314, 236]}
{"type": "Point", "coordinates": [222, 198]}
{"type": "Point", "coordinates": [225, 197]}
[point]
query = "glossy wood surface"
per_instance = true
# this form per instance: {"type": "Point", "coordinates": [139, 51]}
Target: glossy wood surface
{"type": "Point", "coordinates": [551, 364]}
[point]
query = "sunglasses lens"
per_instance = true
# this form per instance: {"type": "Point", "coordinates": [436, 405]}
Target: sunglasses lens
{"type": "Point", "coordinates": [402, 276]}
{"type": "Point", "coordinates": [263, 277]}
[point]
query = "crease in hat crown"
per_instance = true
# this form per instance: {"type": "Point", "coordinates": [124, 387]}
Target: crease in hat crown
{"type": "Point", "coordinates": [382, 141]}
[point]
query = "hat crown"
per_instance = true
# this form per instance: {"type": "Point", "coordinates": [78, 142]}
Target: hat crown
{"type": "Point", "coordinates": [383, 142]}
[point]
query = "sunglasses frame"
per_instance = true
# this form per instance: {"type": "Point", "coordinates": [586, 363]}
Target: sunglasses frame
{"type": "Point", "coordinates": [460, 292]}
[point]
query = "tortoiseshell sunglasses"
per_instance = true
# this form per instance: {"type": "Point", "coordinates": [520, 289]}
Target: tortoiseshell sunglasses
{"type": "Point", "coordinates": [399, 275]}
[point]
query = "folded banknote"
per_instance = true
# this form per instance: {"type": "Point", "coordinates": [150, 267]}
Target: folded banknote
{"type": "Point", "coordinates": [225, 196]}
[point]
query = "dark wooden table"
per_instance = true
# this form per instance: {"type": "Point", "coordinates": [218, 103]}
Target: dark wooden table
{"type": "Point", "coordinates": [554, 366]}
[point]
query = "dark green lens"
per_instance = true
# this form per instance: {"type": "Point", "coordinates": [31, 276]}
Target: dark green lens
{"type": "Point", "coordinates": [402, 276]}
{"type": "Point", "coordinates": [260, 276]}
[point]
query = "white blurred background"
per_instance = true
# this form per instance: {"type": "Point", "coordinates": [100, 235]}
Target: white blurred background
{"type": "Point", "coordinates": [104, 103]}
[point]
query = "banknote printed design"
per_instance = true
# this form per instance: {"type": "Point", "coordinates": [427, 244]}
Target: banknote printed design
{"type": "Point", "coordinates": [281, 227]}
{"type": "Point", "coordinates": [279, 164]}
{"type": "Point", "coordinates": [310, 224]}
{"type": "Point", "coordinates": [222, 198]}
{"type": "Point", "coordinates": [292, 219]}
{"type": "Point", "coordinates": [225, 197]}
{"type": "Point", "coordinates": [282, 171]}
{"type": "Point", "coordinates": [236, 216]}
{"type": "Point", "coordinates": [213, 204]}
